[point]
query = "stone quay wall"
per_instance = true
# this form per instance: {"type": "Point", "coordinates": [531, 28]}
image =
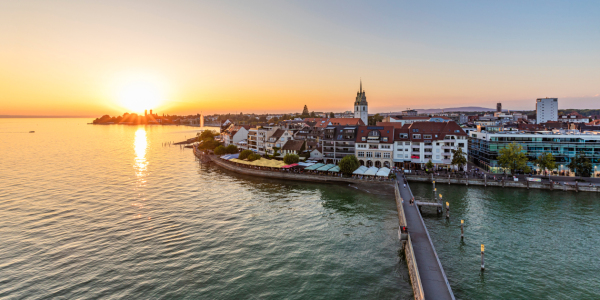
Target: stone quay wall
{"type": "Point", "coordinates": [507, 183]}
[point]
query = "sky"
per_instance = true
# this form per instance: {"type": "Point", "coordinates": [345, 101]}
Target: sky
{"type": "Point", "coordinates": [90, 58]}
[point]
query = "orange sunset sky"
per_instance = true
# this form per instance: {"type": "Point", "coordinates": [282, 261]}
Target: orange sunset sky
{"type": "Point", "coordinates": [89, 58]}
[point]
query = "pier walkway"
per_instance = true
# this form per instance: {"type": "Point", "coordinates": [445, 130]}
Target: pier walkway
{"type": "Point", "coordinates": [433, 279]}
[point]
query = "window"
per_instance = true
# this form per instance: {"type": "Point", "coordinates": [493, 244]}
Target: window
{"type": "Point", "coordinates": [385, 139]}
{"type": "Point", "coordinates": [415, 130]}
{"type": "Point", "coordinates": [361, 154]}
{"type": "Point", "coordinates": [406, 156]}
{"type": "Point", "coordinates": [386, 155]}
{"type": "Point", "coordinates": [377, 154]}
{"type": "Point", "coordinates": [437, 157]}
{"type": "Point", "coordinates": [427, 136]}
{"type": "Point", "coordinates": [364, 138]}
{"type": "Point", "coordinates": [369, 154]}
{"type": "Point", "coordinates": [416, 136]}
{"type": "Point", "coordinates": [385, 147]}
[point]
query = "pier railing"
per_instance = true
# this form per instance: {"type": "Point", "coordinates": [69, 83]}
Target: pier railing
{"type": "Point", "coordinates": [413, 270]}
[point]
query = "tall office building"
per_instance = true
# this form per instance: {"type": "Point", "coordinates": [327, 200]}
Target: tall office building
{"type": "Point", "coordinates": [546, 109]}
{"type": "Point", "coordinates": [499, 107]}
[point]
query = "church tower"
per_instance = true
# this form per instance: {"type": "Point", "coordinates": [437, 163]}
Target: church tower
{"type": "Point", "coordinates": [361, 107]}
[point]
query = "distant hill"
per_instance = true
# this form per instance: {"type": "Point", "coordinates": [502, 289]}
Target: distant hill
{"type": "Point", "coordinates": [454, 109]}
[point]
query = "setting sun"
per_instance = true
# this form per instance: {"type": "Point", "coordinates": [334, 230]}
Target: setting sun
{"type": "Point", "coordinates": [139, 96]}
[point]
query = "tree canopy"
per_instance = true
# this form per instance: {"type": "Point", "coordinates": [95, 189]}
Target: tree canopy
{"type": "Point", "coordinates": [253, 157]}
{"type": "Point", "coordinates": [244, 154]}
{"type": "Point", "coordinates": [372, 120]}
{"type": "Point", "coordinates": [458, 157]}
{"type": "Point", "coordinates": [513, 158]}
{"type": "Point", "coordinates": [581, 165]}
{"type": "Point", "coordinates": [220, 150]}
{"type": "Point", "coordinates": [348, 164]}
{"type": "Point", "coordinates": [231, 149]}
{"type": "Point", "coordinates": [546, 161]}
{"type": "Point", "coordinates": [429, 166]}
{"type": "Point", "coordinates": [331, 115]}
{"type": "Point", "coordinates": [291, 158]}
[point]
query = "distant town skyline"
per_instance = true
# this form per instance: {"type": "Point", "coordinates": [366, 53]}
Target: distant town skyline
{"type": "Point", "coordinates": [84, 58]}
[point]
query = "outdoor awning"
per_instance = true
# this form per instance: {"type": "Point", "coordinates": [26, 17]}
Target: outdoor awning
{"type": "Point", "coordinates": [315, 166]}
{"type": "Point", "coordinates": [385, 172]}
{"type": "Point", "coordinates": [371, 171]}
{"type": "Point", "coordinates": [360, 171]}
{"type": "Point", "coordinates": [230, 156]}
{"type": "Point", "coordinates": [289, 166]}
{"type": "Point", "coordinates": [305, 164]}
{"type": "Point", "coordinates": [335, 169]}
{"type": "Point", "coordinates": [326, 167]}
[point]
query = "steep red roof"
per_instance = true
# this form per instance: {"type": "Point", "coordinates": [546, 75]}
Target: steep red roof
{"type": "Point", "coordinates": [437, 130]}
{"type": "Point", "coordinates": [346, 121]}
{"type": "Point", "coordinates": [386, 131]}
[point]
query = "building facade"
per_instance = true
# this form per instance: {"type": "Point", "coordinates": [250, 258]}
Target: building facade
{"type": "Point", "coordinates": [546, 109]}
{"type": "Point", "coordinates": [484, 147]}
{"type": "Point", "coordinates": [418, 143]}
{"type": "Point", "coordinates": [374, 146]}
{"type": "Point", "coordinates": [338, 142]}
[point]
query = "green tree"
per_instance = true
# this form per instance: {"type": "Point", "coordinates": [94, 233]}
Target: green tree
{"type": "Point", "coordinates": [244, 154]}
{"type": "Point", "coordinates": [372, 120]}
{"type": "Point", "coordinates": [546, 161]}
{"type": "Point", "coordinates": [581, 165]}
{"type": "Point", "coordinates": [458, 157]}
{"type": "Point", "coordinates": [312, 114]}
{"type": "Point", "coordinates": [207, 134]}
{"type": "Point", "coordinates": [231, 149]}
{"type": "Point", "coordinates": [220, 150]}
{"type": "Point", "coordinates": [429, 166]}
{"type": "Point", "coordinates": [348, 164]}
{"type": "Point", "coordinates": [253, 157]}
{"type": "Point", "coordinates": [262, 119]}
{"type": "Point", "coordinates": [276, 151]}
{"type": "Point", "coordinates": [331, 115]}
{"type": "Point", "coordinates": [513, 158]}
{"type": "Point", "coordinates": [291, 158]}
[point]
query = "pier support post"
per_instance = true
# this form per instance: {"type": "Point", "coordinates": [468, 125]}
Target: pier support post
{"type": "Point", "coordinates": [503, 182]}
{"type": "Point", "coordinates": [462, 229]}
{"type": "Point", "coordinates": [447, 210]}
{"type": "Point", "coordinates": [448, 179]}
{"type": "Point", "coordinates": [527, 183]}
{"type": "Point", "coordinates": [576, 186]}
{"type": "Point", "coordinates": [482, 263]}
{"type": "Point", "coordinates": [485, 179]}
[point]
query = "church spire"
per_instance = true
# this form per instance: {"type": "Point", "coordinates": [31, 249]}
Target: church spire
{"type": "Point", "coordinates": [361, 85]}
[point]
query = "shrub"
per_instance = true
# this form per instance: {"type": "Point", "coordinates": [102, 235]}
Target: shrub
{"type": "Point", "coordinates": [291, 158]}
{"type": "Point", "coordinates": [244, 154]}
{"type": "Point", "coordinates": [231, 149]}
{"type": "Point", "coordinates": [220, 150]}
{"type": "Point", "coordinates": [348, 164]}
{"type": "Point", "coordinates": [253, 157]}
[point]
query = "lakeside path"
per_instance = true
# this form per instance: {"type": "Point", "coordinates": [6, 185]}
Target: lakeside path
{"type": "Point", "coordinates": [433, 279]}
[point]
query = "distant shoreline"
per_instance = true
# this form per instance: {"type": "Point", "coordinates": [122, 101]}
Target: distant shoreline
{"type": "Point", "coordinates": [41, 117]}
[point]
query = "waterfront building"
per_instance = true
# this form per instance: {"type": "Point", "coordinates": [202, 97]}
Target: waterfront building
{"type": "Point", "coordinates": [374, 146]}
{"type": "Point", "coordinates": [417, 143]}
{"type": "Point", "coordinates": [234, 134]}
{"type": "Point", "coordinates": [293, 147]}
{"type": "Point", "coordinates": [361, 107]}
{"type": "Point", "coordinates": [252, 139]}
{"type": "Point", "coordinates": [277, 139]}
{"type": "Point", "coordinates": [338, 141]}
{"type": "Point", "coordinates": [546, 109]}
{"type": "Point", "coordinates": [262, 135]}
{"type": "Point", "coordinates": [484, 147]}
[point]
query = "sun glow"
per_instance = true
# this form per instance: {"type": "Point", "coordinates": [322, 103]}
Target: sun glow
{"type": "Point", "coordinates": [140, 95]}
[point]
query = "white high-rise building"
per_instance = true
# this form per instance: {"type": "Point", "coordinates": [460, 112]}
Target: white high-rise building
{"type": "Point", "coordinates": [361, 107]}
{"type": "Point", "coordinates": [546, 109]}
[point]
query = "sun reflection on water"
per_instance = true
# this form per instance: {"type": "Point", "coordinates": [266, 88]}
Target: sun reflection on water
{"type": "Point", "coordinates": [140, 144]}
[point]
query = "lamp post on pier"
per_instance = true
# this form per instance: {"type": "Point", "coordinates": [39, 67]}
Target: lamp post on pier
{"type": "Point", "coordinates": [482, 264]}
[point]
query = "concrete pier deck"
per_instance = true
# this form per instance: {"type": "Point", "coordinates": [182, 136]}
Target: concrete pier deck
{"type": "Point", "coordinates": [433, 279]}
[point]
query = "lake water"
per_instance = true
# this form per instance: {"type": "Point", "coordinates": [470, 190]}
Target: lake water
{"type": "Point", "coordinates": [109, 212]}
{"type": "Point", "coordinates": [539, 244]}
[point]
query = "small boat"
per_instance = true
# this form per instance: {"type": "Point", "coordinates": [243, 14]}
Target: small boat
{"type": "Point", "coordinates": [32, 131]}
